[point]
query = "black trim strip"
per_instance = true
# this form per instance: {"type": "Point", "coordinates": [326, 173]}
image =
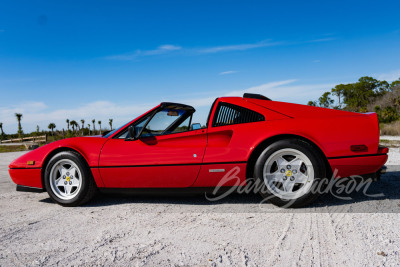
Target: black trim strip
{"type": "Point", "coordinates": [182, 191]}
{"type": "Point", "coordinates": [23, 188]}
{"type": "Point", "coordinates": [357, 156]}
{"type": "Point", "coordinates": [167, 165]}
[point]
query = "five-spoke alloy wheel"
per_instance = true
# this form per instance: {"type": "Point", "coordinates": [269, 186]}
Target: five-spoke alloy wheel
{"type": "Point", "coordinates": [65, 179]}
{"type": "Point", "coordinates": [68, 179]}
{"type": "Point", "coordinates": [288, 173]}
{"type": "Point", "coordinates": [289, 170]}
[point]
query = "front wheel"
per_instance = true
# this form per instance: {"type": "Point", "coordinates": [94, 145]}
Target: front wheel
{"type": "Point", "coordinates": [290, 171]}
{"type": "Point", "coordinates": [68, 179]}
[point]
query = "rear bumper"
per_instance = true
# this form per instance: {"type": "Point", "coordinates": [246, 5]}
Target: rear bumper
{"type": "Point", "coordinates": [357, 165]}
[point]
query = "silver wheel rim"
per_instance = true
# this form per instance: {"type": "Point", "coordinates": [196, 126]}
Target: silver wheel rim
{"type": "Point", "coordinates": [288, 173]}
{"type": "Point", "coordinates": [65, 179]}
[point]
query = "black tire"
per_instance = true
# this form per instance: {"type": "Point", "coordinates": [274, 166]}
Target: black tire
{"type": "Point", "coordinates": [88, 187]}
{"type": "Point", "coordinates": [316, 161]}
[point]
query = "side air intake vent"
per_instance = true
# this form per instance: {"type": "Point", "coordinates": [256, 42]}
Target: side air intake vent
{"type": "Point", "coordinates": [228, 114]}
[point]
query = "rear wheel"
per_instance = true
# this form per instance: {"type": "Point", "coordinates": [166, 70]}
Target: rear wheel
{"type": "Point", "coordinates": [290, 171]}
{"type": "Point", "coordinates": [68, 179]}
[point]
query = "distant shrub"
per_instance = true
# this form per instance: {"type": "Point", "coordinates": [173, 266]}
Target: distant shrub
{"type": "Point", "coordinates": [69, 134]}
{"type": "Point", "coordinates": [387, 114]}
{"type": "Point", "coordinates": [390, 128]}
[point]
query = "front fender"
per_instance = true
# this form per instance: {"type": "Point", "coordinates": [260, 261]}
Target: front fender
{"type": "Point", "coordinates": [88, 147]}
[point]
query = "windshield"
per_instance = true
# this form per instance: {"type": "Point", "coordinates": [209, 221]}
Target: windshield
{"type": "Point", "coordinates": [114, 131]}
{"type": "Point", "coordinates": [165, 121]}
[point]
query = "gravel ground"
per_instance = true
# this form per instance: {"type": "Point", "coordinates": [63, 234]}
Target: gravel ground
{"type": "Point", "coordinates": [390, 137]}
{"type": "Point", "coordinates": [145, 230]}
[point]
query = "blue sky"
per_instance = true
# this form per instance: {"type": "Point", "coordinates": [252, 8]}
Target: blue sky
{"type": "Point", "coordinates": [116, 59]}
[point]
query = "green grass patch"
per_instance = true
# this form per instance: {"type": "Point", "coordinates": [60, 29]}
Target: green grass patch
{"type": "Point", "coordinates": [390, 143]}
{"type": "Point", "coordinates": [4, 149]}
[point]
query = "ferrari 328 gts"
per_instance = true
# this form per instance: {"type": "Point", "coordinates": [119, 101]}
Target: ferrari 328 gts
{"type": "Point", "coordinates": [288, 148]}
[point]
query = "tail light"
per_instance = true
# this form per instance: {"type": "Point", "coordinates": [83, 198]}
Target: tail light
{"type": "Point", "coordinates": [383, 150]}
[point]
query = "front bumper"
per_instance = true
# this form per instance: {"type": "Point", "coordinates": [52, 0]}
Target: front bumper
{"type": "Point", "coordinates": [31, 177]}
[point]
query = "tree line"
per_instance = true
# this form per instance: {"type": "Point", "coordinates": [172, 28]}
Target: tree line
{"type": "Point", "coordinates": [365, 95]}
{"type": "Point", "coordinates": [73, 128]}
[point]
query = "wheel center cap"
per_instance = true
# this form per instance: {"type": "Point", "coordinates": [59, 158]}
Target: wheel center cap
{"type": "Point", "coordinates": [288, 173]}
{"type": "Point", "coordinates": [68, 178]}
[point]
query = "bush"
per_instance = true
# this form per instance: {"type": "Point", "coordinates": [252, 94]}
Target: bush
{"type": "Point", "coordinates": [387, 114]}
{"type": "Point", "coordinates": [390, 128]}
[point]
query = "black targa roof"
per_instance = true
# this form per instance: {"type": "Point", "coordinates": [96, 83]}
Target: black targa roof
{"type": "Point", "coordinates": [177, 106]}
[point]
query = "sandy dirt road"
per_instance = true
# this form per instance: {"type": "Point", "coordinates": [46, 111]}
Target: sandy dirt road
{"type": "Point", "coordinates": [179, 231]}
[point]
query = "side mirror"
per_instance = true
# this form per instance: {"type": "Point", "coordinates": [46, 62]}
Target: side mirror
{"type": "Point", "coordinates": [132, 133]}
{"type": "Point", "coordinates": [196, 126]}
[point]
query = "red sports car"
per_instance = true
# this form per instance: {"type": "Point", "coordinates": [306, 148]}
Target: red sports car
{"type": "Point", "coordinates": [287, 148]}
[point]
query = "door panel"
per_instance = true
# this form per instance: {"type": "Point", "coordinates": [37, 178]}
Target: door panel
{"type": "Point", "coordinates": [150, 177]}
{"type": "Point", "coordinates": [161, 161]}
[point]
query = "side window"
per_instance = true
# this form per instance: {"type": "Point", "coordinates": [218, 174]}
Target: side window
{"type": "Point", "coordinates": [165, 121]}
{"type": "Point", "coordinates": [184, 126]}
{"type": "Point", "coordinates": [161, 122]}
{"type": "Point", "coordinates": [228, 114]}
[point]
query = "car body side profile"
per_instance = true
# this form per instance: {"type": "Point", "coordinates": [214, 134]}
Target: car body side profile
{"type": "Point", "coordinates": [287, 147]}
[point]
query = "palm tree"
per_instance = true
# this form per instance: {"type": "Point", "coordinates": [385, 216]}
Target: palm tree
{"type": "Point", "coordinates": [77, 127]}
{"type": "Point", "coordinates": [110, 121]}
{"type": "Point", "coordinates": [83, 124]}
{"type": "Point", "coordinates": [19, 117]}
{"type": "Point", "coordinates": [88, 128]}
{"type": "Point", "coordinates": [94, 126]}
{"type": "Point", "coordinates": [37, 129]}
{"type": "Point", "coordinates": [73, 124]}
{"type": "Point", "coordinates": [51, 127]}
{"type": "Point", "coordinates": [67, 121]}
{"type": "Point", "coordinates": [1, 128]}
{"type": "Point", "coordinates": [99, 122]}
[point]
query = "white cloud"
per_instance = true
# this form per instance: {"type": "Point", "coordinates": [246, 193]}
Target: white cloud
{"type": "Point", "coordinates": [163, 49]}
{"type": "Point", "coordinates": [33, 106]}
{"type": "Point", "coordinates": [260, 89]}
{"type": "Point", "coordinates": [228, 72]}
{"type": "Point", "coordinates": [389, 76]}
{"type": "Point", "coordinates": [299, 93]}
{"type": "Point", "coordinates": [321, 40]}
{"type": "Point", "coordinates": [239, 47]}
{"type": "Point", "coordinates": [160, 50]}
{"type": "Point", "coordinates": [284, 90]}
{"type": "Point", "coordinates": [37, 113]}
{"type": "Point", "coordinates": [167, 48]}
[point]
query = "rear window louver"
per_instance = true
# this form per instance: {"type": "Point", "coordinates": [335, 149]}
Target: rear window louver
{"type": "Point", "coordinates": [228, 114]}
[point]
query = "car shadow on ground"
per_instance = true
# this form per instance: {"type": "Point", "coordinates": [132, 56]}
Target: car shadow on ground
{"type": "Point", "coordinates": [381, 197]}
